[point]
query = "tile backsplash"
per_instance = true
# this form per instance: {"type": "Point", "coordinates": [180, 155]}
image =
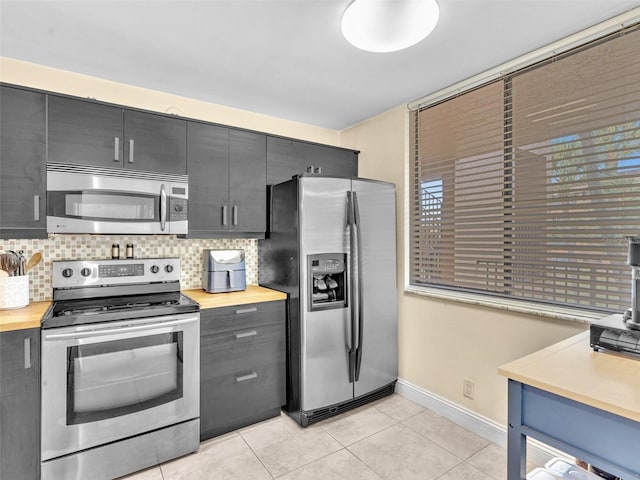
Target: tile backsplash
{"type": "Point", "coordinates": [96, 247]}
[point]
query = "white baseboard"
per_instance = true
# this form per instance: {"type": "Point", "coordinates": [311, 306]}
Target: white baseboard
{"type": "Point", "coordinates": [537, 453]}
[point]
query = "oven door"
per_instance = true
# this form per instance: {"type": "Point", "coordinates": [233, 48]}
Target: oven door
{"type": "Point", "coordinates": [104, 382]}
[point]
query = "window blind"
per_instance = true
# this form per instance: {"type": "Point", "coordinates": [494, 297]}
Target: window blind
{"type": "Point", "coordinates": [527, 187]}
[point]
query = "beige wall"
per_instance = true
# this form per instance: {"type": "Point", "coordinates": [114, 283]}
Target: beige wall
{"type": "Point", "coordinates": [60, 81]}
{"type": "Point", "coordinates": [441, 341]}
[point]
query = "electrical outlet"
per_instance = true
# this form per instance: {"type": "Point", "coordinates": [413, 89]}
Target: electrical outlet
{"type": "Point", "coordinates": [467, 388]}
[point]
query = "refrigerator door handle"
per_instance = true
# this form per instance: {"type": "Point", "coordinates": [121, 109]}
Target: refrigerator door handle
{"type": "Point", "coordinates": [358, 244]}
{"type": "Point", "coordinates": [352, 337]}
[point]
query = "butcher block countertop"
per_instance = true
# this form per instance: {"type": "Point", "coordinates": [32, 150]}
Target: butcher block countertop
{"type": "Point", "coordinates": [22, 318]}
{"type": "Point", "coordinates": [604, 380]}
{"type": "Point", "coordinates": [253, 294]}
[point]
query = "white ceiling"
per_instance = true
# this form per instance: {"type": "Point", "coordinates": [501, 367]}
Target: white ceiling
{"type": "Point", "coordinates": [284, 58]}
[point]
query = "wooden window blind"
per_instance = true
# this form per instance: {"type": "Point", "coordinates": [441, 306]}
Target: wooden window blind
{"type": "Point", "coordinates": [526, 187]}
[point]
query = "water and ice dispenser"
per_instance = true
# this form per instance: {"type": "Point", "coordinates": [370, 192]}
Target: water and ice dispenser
{"type": "Point", "coordinates": [327, 280]}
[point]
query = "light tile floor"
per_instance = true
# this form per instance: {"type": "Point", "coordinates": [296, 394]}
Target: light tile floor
{"type": "Point", "coordinates": [391, 439]}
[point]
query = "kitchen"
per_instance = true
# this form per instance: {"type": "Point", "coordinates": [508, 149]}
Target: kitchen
{"type": "Point", "coordinates": [508, 334]}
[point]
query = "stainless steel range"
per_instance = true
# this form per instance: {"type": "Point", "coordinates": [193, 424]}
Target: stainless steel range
{"type": "Point", "coordinates": [120, 369]}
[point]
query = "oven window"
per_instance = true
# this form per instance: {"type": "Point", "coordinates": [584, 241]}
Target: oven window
{"type": "Point", "coordinates": [103, 206]}
{"type": "Point", "coordinates": [110, 379]}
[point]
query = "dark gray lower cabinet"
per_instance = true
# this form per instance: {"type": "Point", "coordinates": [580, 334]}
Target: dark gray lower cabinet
{"type": "Point", "coordinates": [20, 404]}
{"type": "Point", "coordinates": [242, 365]}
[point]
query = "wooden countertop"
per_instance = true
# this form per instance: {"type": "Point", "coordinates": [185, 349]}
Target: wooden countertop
{"type": "Point", "coordinates": [21, 318]}
{"type": "Point", "coordinates": [253, 294]}
{"type": "Point", "coordinates": [605, 380]}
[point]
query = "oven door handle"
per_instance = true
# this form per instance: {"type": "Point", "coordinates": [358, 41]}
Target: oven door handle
{"type": "Point", "coordinates": [119, 330]}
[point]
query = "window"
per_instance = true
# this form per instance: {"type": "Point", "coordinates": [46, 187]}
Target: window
{"type": "Point", "coordinates": [526, 187]}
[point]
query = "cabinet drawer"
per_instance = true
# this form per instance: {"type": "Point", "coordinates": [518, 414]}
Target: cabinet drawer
{"type": "Point", "coordinates": [239, 342]}
{"type": "Point", "coordinates": [224, 319]}
{"type": "Point", "coordinates": [237, 399]}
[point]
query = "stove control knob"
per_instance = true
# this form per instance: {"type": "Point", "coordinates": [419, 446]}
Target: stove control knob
{"type": "Point", "coordinates": [85, 272]}
{"type": "Point", "coordinates": [67, 273]}
{"type": "Point", "coordinates": [154, 269]}
{"type": "Point", "coordinates": [168, 268]}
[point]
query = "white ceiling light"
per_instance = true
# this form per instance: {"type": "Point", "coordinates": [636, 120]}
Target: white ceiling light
{"type": "Point", "coordinates": [388, 25]}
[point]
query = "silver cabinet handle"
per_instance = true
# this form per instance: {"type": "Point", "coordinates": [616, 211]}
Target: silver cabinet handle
{"type": "Point", "coordinates": [250, 333]}
{"type": "Point", "coordinates": [131, 151]}
{"type": "Point", "coordinates": [116, 149]}
{"type": "Point", "coordinates": [243, 378]}
{"type": "Point", "coordinates": [36, 208]}
{"type": "Point", "coordinates": [240, 311]}
{"type": "Point", "coordinates": [235, 214]}
{"type": "Point", "coordinates": [224, 215]}
{"type": "Point", "coordinates": [27, 353]}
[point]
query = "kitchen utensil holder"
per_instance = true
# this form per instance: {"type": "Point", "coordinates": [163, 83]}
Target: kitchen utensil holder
{"type": "Point", "coordinates": [14, 292]}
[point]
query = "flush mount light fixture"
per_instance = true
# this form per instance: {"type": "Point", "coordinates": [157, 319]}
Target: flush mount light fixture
{"type": "Point", "coordinates": [388, 25]}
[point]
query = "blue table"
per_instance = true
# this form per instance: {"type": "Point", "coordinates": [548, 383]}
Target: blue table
{"type": "Point", "coordinates": [584, 403]}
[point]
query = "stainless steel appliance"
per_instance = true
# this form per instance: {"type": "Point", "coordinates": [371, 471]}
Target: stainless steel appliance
{"type": "Point", "coordinates": [223, 271]}
{"type": "Point", "coordinates": [120, 369]}
{"type": "Point", "coordinates": [90, 199]}
{"type": "Point", "coordinates": [332, 248]}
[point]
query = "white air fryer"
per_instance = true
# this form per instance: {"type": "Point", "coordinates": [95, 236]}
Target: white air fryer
{"type": "Point", "coordinates": [223, 271]}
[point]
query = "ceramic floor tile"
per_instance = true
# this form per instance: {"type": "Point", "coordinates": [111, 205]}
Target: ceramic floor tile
{"type": "Point", "coordinates": [282, 445]}
{"type": "Point", "coordinates": [492, 460]}
{"type": "Point", "coordinates": [399, 453]}
{"type": "Point", "coordinates": [398, 407]}
{"type": "Point", "coordinates": [152, 473]}
{"type": "Point", "coordinates": [357, 424]}
{"type": "Point", "coordinates": [458, 440]}
{"type": "Point", "coordinates": [337, 466]}
{"type": "Point", "coordinates": [465, 471]}
{"type": "Point", "coordinates": [227, 458]}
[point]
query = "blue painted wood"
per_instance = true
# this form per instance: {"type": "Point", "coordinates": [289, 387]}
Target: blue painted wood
{"type": "Point", "coordinates": [606, 440]}
{"type": "Point", "coordinates": [516, 440]}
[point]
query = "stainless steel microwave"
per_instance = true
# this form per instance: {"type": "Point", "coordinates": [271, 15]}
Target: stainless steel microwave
{"type": "Point", "coordinates": [91, 199]}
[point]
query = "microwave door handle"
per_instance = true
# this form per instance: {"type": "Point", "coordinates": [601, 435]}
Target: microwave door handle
{"type": "Point", "coordinates": [163, 207]}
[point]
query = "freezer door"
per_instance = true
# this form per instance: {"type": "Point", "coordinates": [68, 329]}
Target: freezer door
{"type": "Point", "coordinates": [325, 334]}
{"type": "Point", "coordinates": [378, 302]}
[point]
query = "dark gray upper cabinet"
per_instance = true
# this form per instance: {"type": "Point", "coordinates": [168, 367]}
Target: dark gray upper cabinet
{"type": "Point", "coordinates": [286, 158]}
{"type": "Point", "coordinates": [90, 133]}
{"type": "Point", "coordinates": [22, 164]}
{"type": "Point", "coordinates": [227, 175]}
{"type": "Point", "coordinates": [20, 404]}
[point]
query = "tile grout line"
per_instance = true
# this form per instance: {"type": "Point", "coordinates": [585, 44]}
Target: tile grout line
{"type": "Point", "coordinates": [255, 455]}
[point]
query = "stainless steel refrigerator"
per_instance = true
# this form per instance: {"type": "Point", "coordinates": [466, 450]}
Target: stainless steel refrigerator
{"type": "Point", "coordinates": [331, 247]}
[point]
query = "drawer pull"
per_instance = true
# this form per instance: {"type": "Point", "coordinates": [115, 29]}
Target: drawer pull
{"type": "Point", "coordinates": [246, 310]}
{"type": "Point", "coordinates": [243, 378]}
{"type": "Point", "coordinates": [250, 333]}
{"type": "Point", "coordinates": [27, 353]}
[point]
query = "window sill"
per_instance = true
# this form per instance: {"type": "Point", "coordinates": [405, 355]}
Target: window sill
{"type": "Point", "coordinates": [519, 306]}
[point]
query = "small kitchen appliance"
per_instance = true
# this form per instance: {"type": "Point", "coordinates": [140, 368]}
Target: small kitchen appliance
{"type": "Point", "coordinates": [223, 271]}
{"type": "Point", "coordinates": [92, 199]}
{"type": "Point", "coordinates": [621, 333]}
{"type": "Point", "coordinates": [120, 369]}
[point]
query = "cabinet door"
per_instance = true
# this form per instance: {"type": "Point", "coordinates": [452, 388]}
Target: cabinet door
{"type": "Point", "coordinates": [208, 169]}
{"type": "Point", "coordinates": [247, 181]}
{"type": "Point", "coordinates": [84, 132]}
{"type": "Point", "coordinates": [286, 158]}
{"type": "Point", "coordinates": [155, 143]}
{"type": "Point", "coordinates": [22, 164]}
{"type": "Point", "coordinates": [20, 404]}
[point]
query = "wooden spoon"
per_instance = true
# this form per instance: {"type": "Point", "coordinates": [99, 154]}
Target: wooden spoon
{"type": "Point", "coordinates": [33, 261]}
